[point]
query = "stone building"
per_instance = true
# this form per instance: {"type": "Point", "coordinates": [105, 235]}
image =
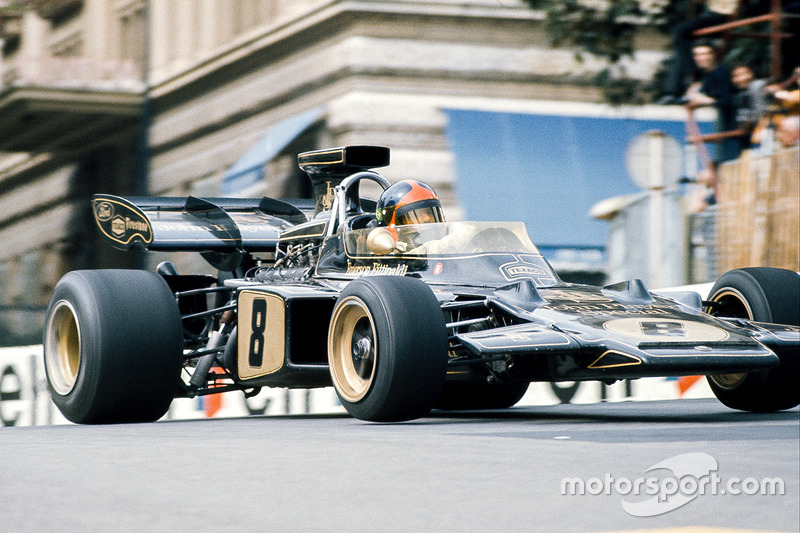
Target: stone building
{"type": "Point", "coordinates": [216, 97]}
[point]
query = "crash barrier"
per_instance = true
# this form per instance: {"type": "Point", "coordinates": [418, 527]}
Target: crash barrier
{"type": "Point", "coordinates": [701, 245]}
{"type": "Point", "coordinates": [25, 400]}
{"type": "Point", "coordinates": [758, 214]}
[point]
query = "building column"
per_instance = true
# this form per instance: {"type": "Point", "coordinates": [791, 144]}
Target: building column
{"type": "Point", "coordinates": [225, 20]}
{"type": "Point", "coordinates": [33, 45]}
{"type": "Point", "coordinates": [99, 25]}
{"type": "Point", "coordinates": [160, 37]}
{"type": "Point", "coordinates": [184, 28]}
{"type": "Point", "coordinates": [207, 27]}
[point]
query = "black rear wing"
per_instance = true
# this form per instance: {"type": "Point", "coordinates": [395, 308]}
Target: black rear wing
{"type": "Point", "coordinates": [191, 224]}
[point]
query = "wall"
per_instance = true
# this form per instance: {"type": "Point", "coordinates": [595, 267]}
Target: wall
{"type": "Point", "coordinates": [25, 400]}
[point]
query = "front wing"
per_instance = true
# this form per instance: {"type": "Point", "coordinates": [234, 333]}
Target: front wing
{"type": "Point", "coordinates": [549, 353]}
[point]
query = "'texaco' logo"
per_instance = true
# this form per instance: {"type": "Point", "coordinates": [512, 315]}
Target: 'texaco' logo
{"type": "Point", "coordinates": [521, 269]}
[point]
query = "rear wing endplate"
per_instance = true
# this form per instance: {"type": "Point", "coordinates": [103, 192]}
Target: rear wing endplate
{"type": "Point", "coordinates": [191, 224]}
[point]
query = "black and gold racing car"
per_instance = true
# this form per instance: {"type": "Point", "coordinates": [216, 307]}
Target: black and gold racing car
{"type": "Point", "coordinates": [401, 320]}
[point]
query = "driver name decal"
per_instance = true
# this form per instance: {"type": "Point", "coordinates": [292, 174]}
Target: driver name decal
{"type": "Point", "coordinates": [377, 269]}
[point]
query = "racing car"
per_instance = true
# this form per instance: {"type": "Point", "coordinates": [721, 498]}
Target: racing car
{"type": "Point", "coordinates": [400, 319]}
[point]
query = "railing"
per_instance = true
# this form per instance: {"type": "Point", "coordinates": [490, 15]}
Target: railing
{"type": "Point", "coordinates": [775, 36]}
{"type": "Point", "coordinates": [73, 72]}
{"type": "Point", "coordinates": [774, 18]}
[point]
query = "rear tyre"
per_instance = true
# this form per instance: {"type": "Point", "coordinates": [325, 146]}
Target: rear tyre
{"type": "Point", "coordinates": [113, 346]}
{"type": "Point", "coordinates": [763, 295]}
{"type": "Point", "coordinates": [387, 348]}
{"type": "Point", "coordinates": [476, 395]}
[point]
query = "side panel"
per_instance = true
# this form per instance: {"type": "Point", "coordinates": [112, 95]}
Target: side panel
{"type": "Point", "coordinates": [262, 319]}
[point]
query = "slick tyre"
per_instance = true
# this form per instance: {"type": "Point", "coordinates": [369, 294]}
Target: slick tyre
{"type": "Point", "coordinates": [763, 295]}
{"type": "Point", "coordinates": [387, 348]}
{"type": "Point", "coordinates": [112, 346]}
{"type": "Point", "coordinates": [468, 395]}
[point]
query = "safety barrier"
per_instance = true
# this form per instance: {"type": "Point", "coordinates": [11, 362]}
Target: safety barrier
{"type": "Point", "coordinates": [758, 212]}
{"type": "Point", "coordinates": [25, 400]}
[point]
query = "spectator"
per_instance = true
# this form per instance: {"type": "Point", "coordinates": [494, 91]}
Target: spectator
{"type": "Point", "coordinates": [717, 89]}
{"type": "Point", "coordinates": [787, 94]}
{"type": "Point", "coordinates": [786, 108]}
{"type": "Point", "coordinates": [749, 100]}
{"type": "Point", "coordinates": [681, 67]}
{"type": "Point", "coordinates": [789, 131]}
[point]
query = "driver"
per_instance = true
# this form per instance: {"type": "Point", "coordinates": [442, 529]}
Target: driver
{"type": "Point", "coordinates": [408, 202]}
{"type": "Point", "coordinates": [413, 202]}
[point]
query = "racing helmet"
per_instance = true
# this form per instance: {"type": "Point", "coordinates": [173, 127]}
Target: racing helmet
{"type": "Point", "coordinates": [408, 202]}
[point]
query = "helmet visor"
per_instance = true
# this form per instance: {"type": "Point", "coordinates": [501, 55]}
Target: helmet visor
{"type": "Point", "coordinates": [421, 215]}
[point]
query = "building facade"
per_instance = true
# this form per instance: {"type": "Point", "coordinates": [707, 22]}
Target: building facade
{"type": "Point", "coordinates": [216, 97]}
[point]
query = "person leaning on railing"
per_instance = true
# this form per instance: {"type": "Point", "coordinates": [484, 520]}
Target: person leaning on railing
{"type": "Point", "coordinates": [784, 114]}
{"type": "Point", "coordinates": [681, 67]}
{"type": "Point", "coordinates": [749, 99]}
{"type": "Point", "coordinates": [716, 89]}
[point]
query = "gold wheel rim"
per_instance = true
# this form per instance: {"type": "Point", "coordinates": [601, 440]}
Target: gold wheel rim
{"type": "Point", "coordinates": [727, 381]}
{"type": "Point", "coordinates": [739, 306]}
{"type": "Point", "coordinates": [62, 347]}
{"type": "Point", "coordinates": [352, 345]}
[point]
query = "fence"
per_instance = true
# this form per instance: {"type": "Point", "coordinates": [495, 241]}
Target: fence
{"type": "Point", "coordinates": [758, 214]}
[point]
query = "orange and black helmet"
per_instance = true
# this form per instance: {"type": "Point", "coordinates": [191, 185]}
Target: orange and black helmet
{"type": "Point", "coordinates": [409, 202]}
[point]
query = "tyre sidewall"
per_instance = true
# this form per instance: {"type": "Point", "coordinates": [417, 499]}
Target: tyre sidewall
{"type": "Point", "coordinates": [131, 346]}
{"type": "Point", "coordinates": [481, 395]}
{"type": "Point", "coordinates": [73, 404]}
{"type": "Point", "coordinates": [772, 296]}
{"type": "Point", "coordinates": [411, 348]}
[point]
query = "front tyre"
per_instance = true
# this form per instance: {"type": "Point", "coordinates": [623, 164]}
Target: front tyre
{"type": "Point", "coordinates": [762, 295]}
{"type": "Point", "coordinates": [387, 348]}
{"type": "Point", "coordinates": [112, 346]}
{"type": "Point", "coordinates": [481, 395]}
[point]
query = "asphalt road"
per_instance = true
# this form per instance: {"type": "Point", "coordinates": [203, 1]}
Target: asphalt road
{"type": "Point", "coordinates": [515, 470]}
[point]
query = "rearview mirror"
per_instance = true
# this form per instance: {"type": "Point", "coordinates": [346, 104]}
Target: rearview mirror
{"type": "Point", "coordinates": [380, 241]}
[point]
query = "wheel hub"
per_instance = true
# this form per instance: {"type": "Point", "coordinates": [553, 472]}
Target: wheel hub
{"type": "Point", "coordinates": [362, 349]}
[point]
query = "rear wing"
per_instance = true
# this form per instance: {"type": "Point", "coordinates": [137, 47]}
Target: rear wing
{"type": "Point", "coordinates": [190, 224]}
